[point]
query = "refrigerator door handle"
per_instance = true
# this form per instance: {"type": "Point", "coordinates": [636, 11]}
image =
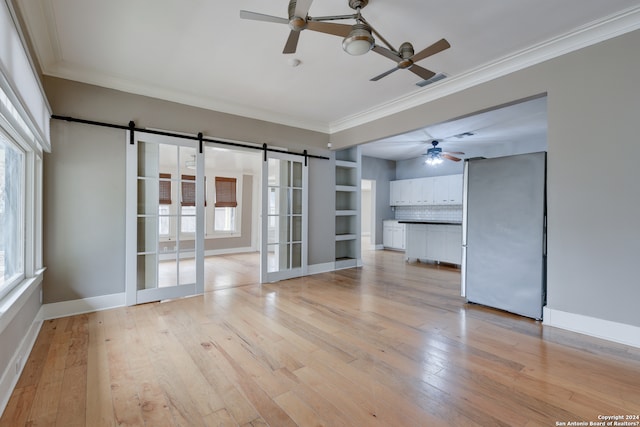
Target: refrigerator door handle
{"type": "Point", "coordinates": [463, 273]}
{"type": "Point", "coordinates": [465, 195]}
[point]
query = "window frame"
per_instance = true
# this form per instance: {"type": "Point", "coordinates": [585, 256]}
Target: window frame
{"type": "Point", "coordinates": [7, 287]}
{"type": "Point", "coordinates": [30, 203]}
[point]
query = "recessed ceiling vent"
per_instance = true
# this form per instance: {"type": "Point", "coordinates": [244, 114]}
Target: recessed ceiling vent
{"type": "Point", "coordinates": [433, 79]}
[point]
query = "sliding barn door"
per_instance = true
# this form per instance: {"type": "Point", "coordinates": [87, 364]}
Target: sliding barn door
{"type": "Point", "coordinates": [284, 217]}
{"type": "Point", "coordinates": [165, 219]}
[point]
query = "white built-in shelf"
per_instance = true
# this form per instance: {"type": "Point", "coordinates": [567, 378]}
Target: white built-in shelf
{"type": "Point", "coordinates": [346, 164]}
{"type": "Point", "coordinates": [347, 194]}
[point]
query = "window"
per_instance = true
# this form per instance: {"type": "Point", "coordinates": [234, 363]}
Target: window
{"type": "Point", "coordinates": [226, 204]}
{"type": "Point", "coordinates": [24, 135]}
{"type": "Point", "coordinates": [188, 204]}
{"type": "Point", "coordinates": [224, 219]}
{"type": "Point", "coordinates": [12, 252]}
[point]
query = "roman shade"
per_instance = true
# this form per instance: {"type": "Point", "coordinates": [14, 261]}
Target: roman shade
{"type": "Point", "coordinates": [188, 186]}
{"type": "Point", "coordinates": [225, 192]}
{"type": "Point", "coordinates": [165, 189]}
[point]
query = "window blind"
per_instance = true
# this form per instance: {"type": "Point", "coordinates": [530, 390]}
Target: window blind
{"type": "Point", "coordinates": [165, 189]}
{"type": "Point", "coordinates": [188, 186]}
{"type": "Point", "coordinates": [225, 192]}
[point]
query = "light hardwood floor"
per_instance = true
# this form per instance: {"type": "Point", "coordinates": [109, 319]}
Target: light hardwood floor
{"type": "Point", "coordinates": [390, 344]}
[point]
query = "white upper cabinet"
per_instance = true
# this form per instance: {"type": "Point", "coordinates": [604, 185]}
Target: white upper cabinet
{"type": "Point", "coordinates": [402, 192]}
{"type": "Point", "coordinates": [425, 191]}
{"type": "Point", "coordinates": [440, 190]}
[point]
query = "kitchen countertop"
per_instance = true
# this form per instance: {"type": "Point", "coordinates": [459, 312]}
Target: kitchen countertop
{"type": "Point", "coordinates": [424, 221]}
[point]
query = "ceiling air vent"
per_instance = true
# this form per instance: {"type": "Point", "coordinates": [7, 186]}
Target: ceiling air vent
{"type": "Point", "coordinates": [433, 79]}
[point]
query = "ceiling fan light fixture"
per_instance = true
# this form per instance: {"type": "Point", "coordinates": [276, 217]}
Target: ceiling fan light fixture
{"type": "Point", "coordinates": [434, 160]}
{"type": "Point", "coordinates": [359, 41]}
{"type": "Point", "coordinates": [191, 164]}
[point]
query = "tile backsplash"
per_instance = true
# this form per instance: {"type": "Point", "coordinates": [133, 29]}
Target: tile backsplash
{"type": "Point", "coordinates": [429, 213]}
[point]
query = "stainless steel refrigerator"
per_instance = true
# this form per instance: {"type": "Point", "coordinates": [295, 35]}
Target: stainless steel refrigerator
{"type": "Point", "coordinates": [504, 233]}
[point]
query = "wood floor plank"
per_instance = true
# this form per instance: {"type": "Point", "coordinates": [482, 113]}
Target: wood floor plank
{"type": "Point", "coordinates": [388, 344]}
{"type": "Point", "coordinates": [124, 393]}
{"type": "Point", "coordinates": [99, 406]}
{"type": "Point", "coordinates": [47, 398]}
{"type": "Point", "coordinates": [19, 406]}
{"type": "Point", "coordinates": [184, 411]}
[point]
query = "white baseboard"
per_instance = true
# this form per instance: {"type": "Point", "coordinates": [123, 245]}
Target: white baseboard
{"type": "Point", "coordinates": [79, 306]}
{"type": "Point", "coordinates": [105, 302]}
{"type": "Point", "coordinates": [321, 268]}
{"type": "Point", "coordinates": [12, 372]}
{"type": "Point", "coordinates": [212, 252]}
{"type": "Point", "coordinates": [599, 328]}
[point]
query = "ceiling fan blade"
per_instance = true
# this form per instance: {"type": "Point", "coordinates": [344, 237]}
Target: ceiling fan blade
{"type": "Point", "coordinates": [292, 42]}
{"type": "Point", "coordinates": [341, 30]}
{"type": "Point", "coordinates": [385, 74]}
{"type": "Point", "coordinates": [438, 46]}
{"type": "Point", "coordinates": [423, 73]}
{"type": "Point", "coordinates": [446, 156]}
{"type": "Point", "coordinates": [453, 152]}
{"type": "Point", "coordinates": [386, 53]}
{"type": "Point", "coordinates": [245, 14]}
{"type": "Point", "coordinates": [302, 8]}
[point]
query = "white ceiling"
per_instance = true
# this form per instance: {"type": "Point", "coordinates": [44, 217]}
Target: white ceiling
{"type": "Point", "coordinates": [509, 130]}
{"type": "Point", "coordinates": [199, 52]}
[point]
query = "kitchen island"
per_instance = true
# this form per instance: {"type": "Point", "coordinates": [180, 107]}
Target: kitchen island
{"type": "Point", "coordinates": [439, 241]}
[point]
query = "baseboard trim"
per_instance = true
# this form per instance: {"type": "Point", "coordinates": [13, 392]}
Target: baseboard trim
{"type": "Point", "coordinates": [12, 373]}
{"type": "Point", "coordinates": [321, 268]}
{"type": "Point", "coordinates": [209, 252]}
{"type": "Point", "coordinates": [598, 328]}
{"type": "Point", "coordinates": [79, 306]}
{"type": "Point", "coordinates": [88, 305]}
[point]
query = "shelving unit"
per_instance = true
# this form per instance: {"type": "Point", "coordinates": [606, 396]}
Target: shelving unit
{"type": "Point", "coordinates": [347, 233]}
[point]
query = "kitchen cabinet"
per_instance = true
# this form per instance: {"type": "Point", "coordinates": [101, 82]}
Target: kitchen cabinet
{"type": "Point", "coordinates": [431, 191]}
{"type": "Point", "coordinates": [448, 190]}
{"type": "Point", "coordinates": [416, 246]}
{"type": "Point", "coordinates": [393, 235]}
{"type": "Point", "coordinates": [452, 252]}
{"type": "Point", "coordinates": [455, 189]}
{"type": "Point", "coordinates": [402, 192]}
{"type": "Point", "coordinates": [425, 188]}
{"type": "Point", "coordinates": [434, 242]}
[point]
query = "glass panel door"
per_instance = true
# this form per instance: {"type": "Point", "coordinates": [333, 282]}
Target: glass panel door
{"type": "Point", "coordinates": [284, 217]}
{"type": "Point", "coordinates": [165, 199]}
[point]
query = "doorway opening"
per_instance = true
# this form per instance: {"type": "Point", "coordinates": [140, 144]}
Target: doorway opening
{"type": "Point", "coordinates": [368, 214]}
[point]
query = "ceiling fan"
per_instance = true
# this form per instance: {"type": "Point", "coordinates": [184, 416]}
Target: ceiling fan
{"type": "Point", "coordinates": [406, 58]}
{"type": "Point", "coordinates": [358, 38]}
{"type": "Point", "coordinates": [300, 20]}
{"type": "Point", "coordinates": [435, 155]}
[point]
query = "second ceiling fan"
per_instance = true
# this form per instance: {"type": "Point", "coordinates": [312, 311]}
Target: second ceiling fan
{"type": "Point", "coordinates": [358, 38]}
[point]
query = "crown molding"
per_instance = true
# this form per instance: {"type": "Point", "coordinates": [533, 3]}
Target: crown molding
{"type": "Point", "coordinates": [194, 100]}
{"type": "Point", "coordinates": [52, 63]}
{"type": "Point", "coordinates": [581, 37]}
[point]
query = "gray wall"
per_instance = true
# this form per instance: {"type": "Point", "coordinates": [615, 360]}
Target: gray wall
{"type": "Point", "coordinates": [593, 176]}
{"type": "Point", "coordinates": [415, 168]}
{"type": "Point", "coordinates": [380, 171]}
{"type": "Point", "coordinates": [84, 181]}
